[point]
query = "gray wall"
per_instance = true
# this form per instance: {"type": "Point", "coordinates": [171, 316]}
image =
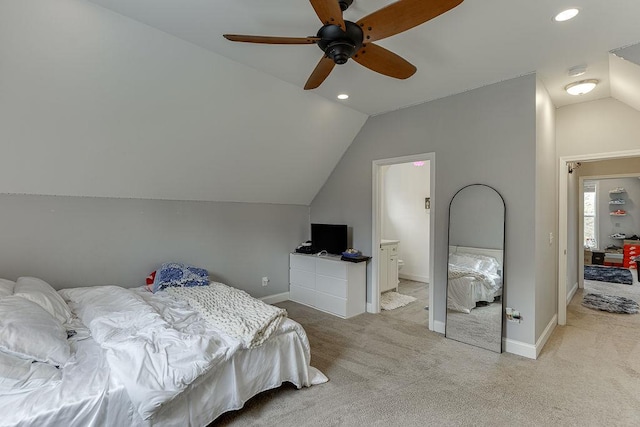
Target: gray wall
{"type": "Point", "coordinates": [587, 129]}
{"type": "Point", "coordinates": [573, 218]}
{"type": "Point", "coordinates": [79, 241]}
{"type": "Point", "coordinates": [607, 224]}
{"type": "Point", "coordinates": [486, 136]}
{"type": "Point", "coordinates": [476, 218]}
{"type": "Point", "coordinates": [546, 212]}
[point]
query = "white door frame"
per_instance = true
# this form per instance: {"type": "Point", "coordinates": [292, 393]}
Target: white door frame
{"type": "Point", "coordinates": [563, 218]}
{"type": "Point", "coordinates": [376, 232]}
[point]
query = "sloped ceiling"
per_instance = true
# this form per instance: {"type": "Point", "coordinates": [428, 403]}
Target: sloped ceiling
{"type": "Point", "coordinates": [145, 99]}
{"type": "Point", "coordinates": [96, 104]}
{"type": "Point", "coordinates": [624, 68]}
{"type": "Point", "coordinates": [477, 43]}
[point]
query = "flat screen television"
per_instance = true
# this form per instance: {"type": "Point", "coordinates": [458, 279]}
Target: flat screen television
{"type": "Point", "coordinates": [329, 237]}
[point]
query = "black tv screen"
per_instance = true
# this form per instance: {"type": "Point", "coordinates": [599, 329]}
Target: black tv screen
{"type": "Point", "coordinates": [329, 237]}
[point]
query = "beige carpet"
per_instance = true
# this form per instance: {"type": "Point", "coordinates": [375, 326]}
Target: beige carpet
{"type": "Point", "coordinates": [387, 370]}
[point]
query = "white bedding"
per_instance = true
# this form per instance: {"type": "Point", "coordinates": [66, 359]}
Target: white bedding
{"type": "Point", "coordinates": [218, 302]}
{"type": "Point", "coordinates": [471, 281]}
{"type": "Point", "coordinates": [90, 393]}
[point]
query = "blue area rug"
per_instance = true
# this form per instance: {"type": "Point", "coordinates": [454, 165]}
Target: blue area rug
{"type": "Point", "coordinates": [610, 303]}
{"type": "Point", "coordinates": [608, 274]}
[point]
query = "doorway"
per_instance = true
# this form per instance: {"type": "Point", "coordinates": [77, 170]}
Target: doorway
{"type": "Point", "coordinates": [414, 248]}
{"type": "Point", "coordinates": [609, 208]}
{"type": "Point", "coordinates": [570, 258]}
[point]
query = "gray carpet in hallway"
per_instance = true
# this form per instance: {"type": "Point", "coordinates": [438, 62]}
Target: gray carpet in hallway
{"type": "Point", "coordinates": [386, 370]}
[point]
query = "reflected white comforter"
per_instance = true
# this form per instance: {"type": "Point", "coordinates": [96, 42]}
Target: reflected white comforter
{"type": "Point", "coordinates": [467, 286]}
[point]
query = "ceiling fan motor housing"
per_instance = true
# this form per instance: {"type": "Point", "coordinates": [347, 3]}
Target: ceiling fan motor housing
{"type": "Point", "coordinates": [340, 45]}
{"type": "Point", "coordinates": [344, 4]}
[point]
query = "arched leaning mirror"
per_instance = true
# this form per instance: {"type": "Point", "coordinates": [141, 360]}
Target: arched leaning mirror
{"type": "Point", "coordinates": [475, 282]}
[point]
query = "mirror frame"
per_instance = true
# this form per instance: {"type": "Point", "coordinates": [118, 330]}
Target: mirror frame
{"type": "Point", "coordinates": [504, 263]}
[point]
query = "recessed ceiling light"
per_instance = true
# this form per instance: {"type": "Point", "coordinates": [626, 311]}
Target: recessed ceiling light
{"type": "Point", "coordinates": [581, 87]}
{"type": "Point", "coordinates": [565, 15]}
{"type": "Point", "coordinates": [343, 96]}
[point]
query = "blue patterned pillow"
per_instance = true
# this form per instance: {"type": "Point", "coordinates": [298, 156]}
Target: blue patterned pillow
{"type": "Point", "coordinates": [180, 275]}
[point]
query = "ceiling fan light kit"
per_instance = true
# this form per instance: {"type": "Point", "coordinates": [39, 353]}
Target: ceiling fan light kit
{"type": "Point", "coordinates": [342, 40]}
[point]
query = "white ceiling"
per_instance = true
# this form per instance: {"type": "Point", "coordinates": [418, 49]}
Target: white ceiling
{"type": "Point", "coordinates": [477, 43]}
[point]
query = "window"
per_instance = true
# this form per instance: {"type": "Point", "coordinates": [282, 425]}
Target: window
{"type": "Point", "coordinates": [590, 220]}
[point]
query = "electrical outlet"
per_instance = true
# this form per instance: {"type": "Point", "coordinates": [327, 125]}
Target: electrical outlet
{"type": "Point", "coordinates": [265, 281]}
{"type": "Point", "coordinates": [513, 315]}
{"type": "Point", "coordinates": [550, 238]}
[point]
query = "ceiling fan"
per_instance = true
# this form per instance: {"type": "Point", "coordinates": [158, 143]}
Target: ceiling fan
{"type": "Point", "coordinates": [340, 39]}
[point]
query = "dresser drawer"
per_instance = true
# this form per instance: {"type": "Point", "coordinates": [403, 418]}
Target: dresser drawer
{"type": "Point", "coordinates": [302, 278]}
{"type": "Point", "coordinates": [302, 295]}
{"type": "Point", "coordinates": [331, 304]}
{"type": "Point", "coordinates": [331, 286]}
{"type": "Point", "coordinates": [331, 268]}
{"type": "Point", "coordinates": [302, 262]}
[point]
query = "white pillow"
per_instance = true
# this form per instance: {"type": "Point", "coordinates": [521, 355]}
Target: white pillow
{"type": "Point", "coordinates": [6, 287]}
{"type": "Point", "coordinates": [40, 292]}
{"type": "Point", "coordinates": [464, 261]}
{"type": "Point", "coordinates": [19, 375]}
{"type": "Point", "coordinates": [29, 332]}
{"type": "Point", "coordinates": [487, 264]}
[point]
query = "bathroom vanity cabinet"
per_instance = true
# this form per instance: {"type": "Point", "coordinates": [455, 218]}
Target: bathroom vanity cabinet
{"type": "Point", "coordinates": [388, 265]}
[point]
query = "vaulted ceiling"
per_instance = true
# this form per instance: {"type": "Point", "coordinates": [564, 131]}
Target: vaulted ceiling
{"type": "Point", "coordinates": [146, 99]}
{"type": "Point", "coordinates": [477, 43]}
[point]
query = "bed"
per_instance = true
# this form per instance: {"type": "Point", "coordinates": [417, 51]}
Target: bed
{"type": "Point", "coordinates": [145, 358]}
{"type": "Point", "coordinates": [474, 276]}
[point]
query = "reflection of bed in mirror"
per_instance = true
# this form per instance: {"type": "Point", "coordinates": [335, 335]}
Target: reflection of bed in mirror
{"type": "Point", "coordinates": [474, 277]}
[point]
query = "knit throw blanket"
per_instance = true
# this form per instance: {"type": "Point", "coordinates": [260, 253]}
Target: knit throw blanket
{"type": "Point", "coordinates": [233, 312]}
{"type": "Point", "coordinates": [456, 272]}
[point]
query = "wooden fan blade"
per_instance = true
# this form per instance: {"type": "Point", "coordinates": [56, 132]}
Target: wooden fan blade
{"type": "Point", "coordinates": [384, 61]}
{"type": "Point", "coordinates": [270, 39]}
{"type": "Point", "coordinates": [320, 73]}
{"type": "Point", "coordinates": [401, 16]}
{"type": "Point", "coordinates": [329, 12]}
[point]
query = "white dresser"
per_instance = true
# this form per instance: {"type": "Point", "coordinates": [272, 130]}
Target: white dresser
{"type": "Point", "coordinates": [328, 284]}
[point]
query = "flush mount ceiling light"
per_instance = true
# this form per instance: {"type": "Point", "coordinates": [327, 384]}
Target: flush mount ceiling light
{"type": "Point", "coordinates": [565, 15]}
{"type": "Point", "coordinates": [343, 96]}
{"type": "Point", "coordinates": [581, 87]}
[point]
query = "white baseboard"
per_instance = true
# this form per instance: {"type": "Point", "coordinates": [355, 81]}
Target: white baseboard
{"type": "Point", "coordinates": [530, 351]}
{"type": "Point", "coordinates": [519, 348]}
{"type": "Point", "coordinates": [272, 299]}
{"type": "Point", "coordinates": [572, 292]}
{"type": "Point", "coordinates": [438, 326]}
{"type": "Point", "coordinates": [415, 277]}
{"type": "Point", "coordinates": [547, 333]}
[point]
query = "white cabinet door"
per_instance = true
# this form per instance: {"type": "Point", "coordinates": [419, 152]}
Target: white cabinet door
{"type": "Point", "coordinates": [384, 268]}
{"type": "Point", "coordinates": [392, 272]}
